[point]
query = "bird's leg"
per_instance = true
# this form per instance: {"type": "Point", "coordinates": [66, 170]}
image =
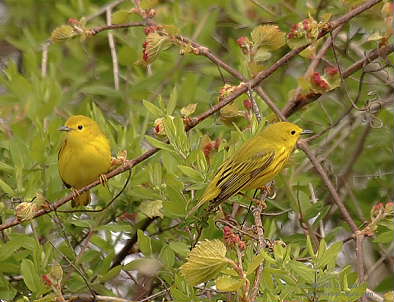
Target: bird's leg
{"type": "Point", "coordinates": [119, 160]}
{"type": "Point", "coordinates": [103, 180]}
{"type": "Point", "coordinates": [75, 193]}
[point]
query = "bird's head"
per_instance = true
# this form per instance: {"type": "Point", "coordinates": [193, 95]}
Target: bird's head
{"type": "Point", "coordinates": [285, 132]}
{"type": "Point", "coordinates": [80, 127]}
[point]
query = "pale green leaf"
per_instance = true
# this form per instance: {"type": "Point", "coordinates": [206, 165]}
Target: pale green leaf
{"type": "Point", "coordinates": [151, 208]}
{"type": "Point", "coordinates": [144, 243]}
{"type": "Point", "coordinates": [205, 262]}
{"type": "Point", "coordinates": [228, 284]}
{"type": "Point", "coordinates": [30, 276]}
{"type": "Point", "coordinates": [152, 108]}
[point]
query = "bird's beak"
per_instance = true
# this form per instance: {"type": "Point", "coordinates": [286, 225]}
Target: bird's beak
{"type": "Point", "coordinates": [307, 132]}
{"type": "Point", "coordinates": [65, 128]}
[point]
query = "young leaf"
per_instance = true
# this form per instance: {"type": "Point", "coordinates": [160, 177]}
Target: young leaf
{"type": "Point", "coordinates": [158, 144]}
{"type": "Point", "coordinates": [255, 262]}
{"type": "Point", "coordinates": [205, 262]}
{"type": "Point", "coordinates": [228, 284]}
{"type": "Point", "coordinates": [30, 276]}
{"type": "Point", "coordinates": [151, 208]}
{"type": "Point", "coordinates": [144, 243]}
{"type": "Point", "coordinates": [156, 111]}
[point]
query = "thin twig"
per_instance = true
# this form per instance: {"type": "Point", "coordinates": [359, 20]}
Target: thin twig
{"type": "Point", "coordinates": [260, 246]}
{"type": "Point", "coordinates": [112, 47]}
{"type": "Point", "coordinates": [44, 59]}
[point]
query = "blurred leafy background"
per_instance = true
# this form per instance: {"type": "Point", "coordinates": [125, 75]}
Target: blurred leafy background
{"type": "Point", "coordinates": [76, 252]}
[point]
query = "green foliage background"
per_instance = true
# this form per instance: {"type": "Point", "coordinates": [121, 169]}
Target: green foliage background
{"type": "Point", "coordinates": [80, 81]}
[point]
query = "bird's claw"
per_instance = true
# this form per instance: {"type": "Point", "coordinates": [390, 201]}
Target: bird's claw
{"type": "Point", "coordinates": [75, 193]}
{"type": "Point", "coordinates": [103, 180]}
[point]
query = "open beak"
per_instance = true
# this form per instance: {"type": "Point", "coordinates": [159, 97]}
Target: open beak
{"type": "Point", "coordinates": [307, 132]}
{"type": "Point", "coordinates": [65, 128]}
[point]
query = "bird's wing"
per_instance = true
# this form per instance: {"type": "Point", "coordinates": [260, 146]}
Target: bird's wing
{"type": "Point", "coordinates": [236, 175]}
{"type": "Point", "coordinates": [58, 158]}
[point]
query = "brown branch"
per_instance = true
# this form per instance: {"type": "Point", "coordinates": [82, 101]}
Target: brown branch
{"type": "Point", "coordinates": [193, 122]}
{"type": "Point", "coordinates": [260, 246]}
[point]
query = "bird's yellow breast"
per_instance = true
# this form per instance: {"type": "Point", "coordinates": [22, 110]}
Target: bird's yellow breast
{"type": "Point", "coordinates": [82, 163]}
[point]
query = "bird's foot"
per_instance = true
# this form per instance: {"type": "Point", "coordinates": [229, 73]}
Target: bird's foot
{"type": "Point", "coordinates": [103, 180]}
{"type": "Point", "coordinates": [75, 193]}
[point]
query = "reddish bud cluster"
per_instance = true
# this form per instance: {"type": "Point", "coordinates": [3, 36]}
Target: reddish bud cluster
{"type": "Point", "coordinates": [152, 28]}
{"type": "Point", "coordinates": [233, 239]}
{"type": "Point", "coordinates": [47, 280]}
{"type": "Point", "coordinates": [303, 29]}
{"type": "Point", "coordinates": [73, 21]}
{"type": "Point", "coordinates": [332, 71]}
{"type": "Point", "coordinates": [145, 55]}
{"type": "Point", "coordinates": [316, 79]}
{"type": "Point", "coordinates": [387, 208]}
{"type": "Point", "coordinates": [159, 126]}
{"type": "Point", "coordinates": [248, 104]}
{"type": "Point", "coordinates": [211, 146]}
{"type": "Point", "coordinates": [244, 43]}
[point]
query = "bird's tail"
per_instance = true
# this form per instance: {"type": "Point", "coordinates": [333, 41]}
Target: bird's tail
{"type": "Point", "coordinates": [82, 199]}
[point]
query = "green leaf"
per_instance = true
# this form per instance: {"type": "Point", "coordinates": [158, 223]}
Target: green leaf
{"type": "Point", "coordinates": [179, 247]}
{"type": "Point", "coordinates": [151, 208]}
{"type": "Point", "coordinates": [205, 262]}
{"type": "Point", "coordinates": [255, 262]}
{"type": "Point", "coordinates": [111, 274]}
{"type": "Point", "coordinates": [6, 188]}
{"type": "Point", "coordinates": [172, 101]}
{"type": "Point", "coordinates": [120, 16]}
{"type": "Point", "coordinates": [192, 173]}
{"type": "Point", "coordinates": [144, 243]}
{"type": "Point", "coordinates": [385, 237]}
{"type": "Point", "coordinates": [30, 276]}
{"type": "Point", "coordinates": [310, 246]}
{"type": "Point", "coordinates": [5, 167]}
{"type": "Point", "coordinates": [228, 284]}
{"type": "Point", "coordinates": [302, 270]}
{"type": "Point", "coordinates": [156, 111]}
{"type": "Point", "coordinates": [158, 144]}
{"type": "Point", "coordinates": [167, 256]}
{"type": "Point", "coordinates": [329, 255]}
{"type": "Point", "coordinates": [269, 37]}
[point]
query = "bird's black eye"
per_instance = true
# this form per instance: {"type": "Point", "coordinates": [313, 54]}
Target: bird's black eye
{"type": "Point", "coordinates": [80, 127]}
{"type": "Point", "coordinates": [293, 132]}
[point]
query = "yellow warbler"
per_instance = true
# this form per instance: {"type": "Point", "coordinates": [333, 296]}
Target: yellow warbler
{"type": "Point", "coordinates": [254, 164]}
{"type": "Point", "coordinates": [84, 156]}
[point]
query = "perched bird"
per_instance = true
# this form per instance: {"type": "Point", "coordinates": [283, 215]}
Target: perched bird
{"type": "Point", "coordinates": [254, 164]}
{"type": "Point", "coordinates": [84, 156]}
